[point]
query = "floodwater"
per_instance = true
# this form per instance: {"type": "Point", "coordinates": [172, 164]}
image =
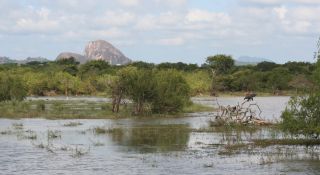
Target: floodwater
{"type": "Point", "coordinates": [149, 146]}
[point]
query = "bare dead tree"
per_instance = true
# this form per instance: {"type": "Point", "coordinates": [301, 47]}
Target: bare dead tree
{"type": "Point", "coordinates": [244, 113]}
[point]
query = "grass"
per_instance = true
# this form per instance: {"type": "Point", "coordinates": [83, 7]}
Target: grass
{"type": "Point", "coordinates": [289, 142]}
{"type": "Point", "coordinates": [194, 107]}
{"type": "Point", "coordinates": [17, 126]}
{"type": "Point", "coordinates": [260, 94]}
{"type": "Point", "coordinates": [53, 134]}
{"type": "Point", "coordinates": [78, 110]}
{"type": "Point", "coordinates": [102, 130]}
{"type": "Point", "coordinates": [72, 124]}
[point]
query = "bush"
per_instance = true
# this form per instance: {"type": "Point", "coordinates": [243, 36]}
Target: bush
{"type": "Point", "coordinates": [172, 92]}
{"type": "Point", "coordinates": [164, 91]}
{"type": "Point", "coordinates": [302, 117]}
{"type": "Point", "coordinates": [11, 88]}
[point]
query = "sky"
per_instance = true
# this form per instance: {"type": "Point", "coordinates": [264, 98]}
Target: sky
{"type": "Point", "coordinates": [162, 30]}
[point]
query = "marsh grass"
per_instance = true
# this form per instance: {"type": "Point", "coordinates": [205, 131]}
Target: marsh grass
{"type": "Point", "coordinates": [53, 134]}
{"type": "Point", "coordinates": [6, 132]}
{"type": "Point", "coordinates": [96, 143]}
{"type": "Point", "coordinates": [17, 126]}
{"type": "Point", "coordinates": [72, 124]}
{"type": "Point", "coordinates": [79, 152]}
{"type": "Point", "coordinates": [103, 130]}
{"type": "Point", "coordinates": [195, 107]}
{"type": "Point", "coordinates": [78, 110]}
{"type": "Point", "coordinates": [286, 141]}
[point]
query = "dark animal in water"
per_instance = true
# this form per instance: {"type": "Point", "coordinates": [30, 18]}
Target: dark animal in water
{"type": "Point", "coordinates": [249, 97]}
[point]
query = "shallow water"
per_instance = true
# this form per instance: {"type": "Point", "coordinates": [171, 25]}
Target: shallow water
{"type": "Point", "coordinates": [147, 146]}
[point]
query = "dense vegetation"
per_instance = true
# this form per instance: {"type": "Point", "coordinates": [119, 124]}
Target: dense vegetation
{"type": "Point", "coordinates": [302, 116]}
{"type": "Point", "coordinates": [156, 88]}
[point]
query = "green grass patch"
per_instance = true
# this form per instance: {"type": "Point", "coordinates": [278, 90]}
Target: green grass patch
{"type": "Point", "coordinates": [271, 142]}
{"type": "Point", "coordinates": [195, 107]}
{"type": "Point", "coordinates": [78, 110]}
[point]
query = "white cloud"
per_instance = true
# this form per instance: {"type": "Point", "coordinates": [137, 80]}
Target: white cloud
{"type": "Point", "coordinates": [37, 21]}
{"type": "Point", "coordinates": [129, 2]}
{"type": "Point", "coordinates": [116, 18]}
{"type": "Point", "coordinates": [281, 12]}
{"type": "Point", "coordinates": [177, 41]}
{"type": "Point", "coordinates": [206, 16]}
{"type": "Point", "coordinates": [160, 22]}
{"type": "Point", "coordinates": [277, 2]}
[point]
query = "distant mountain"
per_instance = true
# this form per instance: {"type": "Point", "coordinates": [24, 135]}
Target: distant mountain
{"type": "Point", "coordinates": [7, 60]}
{"type": "Point", "coordinates": [102, 50]}
{"type": "Point", "coordinates": [98, 50]}
{"type": "Point", "coordinates": [247, 60]}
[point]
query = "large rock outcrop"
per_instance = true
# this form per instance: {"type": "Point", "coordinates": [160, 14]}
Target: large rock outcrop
{"type": "Point", "coordinates": [66, 55]}
{"type": "Point", "coordinates": [102, 50]}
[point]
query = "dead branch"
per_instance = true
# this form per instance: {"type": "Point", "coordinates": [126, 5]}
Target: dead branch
{"type": "Point", "coordinates": [244, 113]}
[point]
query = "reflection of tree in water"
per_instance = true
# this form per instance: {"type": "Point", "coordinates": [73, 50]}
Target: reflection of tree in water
{"type": "Point", "coordinates": [153, 138]}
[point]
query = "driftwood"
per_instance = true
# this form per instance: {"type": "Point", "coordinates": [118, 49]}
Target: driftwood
{"type": "Point", "coordinates": [244, 113]}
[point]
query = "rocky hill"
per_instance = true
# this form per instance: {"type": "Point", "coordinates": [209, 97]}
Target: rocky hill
{"type": "Point", "coordinates": [98, 50]}
{"type": "Point", "coordinates": [102, 50]}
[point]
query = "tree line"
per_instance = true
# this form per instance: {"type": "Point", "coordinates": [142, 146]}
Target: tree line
{"type": "Point", "coordinates": [164, 87]}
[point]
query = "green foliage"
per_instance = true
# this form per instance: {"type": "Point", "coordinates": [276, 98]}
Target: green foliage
{"type": "Point", "coordinates": [278, 79]}
{"type": "Point", "coordinates": [266, 66]}
{"type": "Point", "coordinates": [151, 90]}
{"type": "Point", "coordinates": [302, 116]}
{"type": "Point", "coordinates": [11, 88]}
{"type": "Point", "coordinates": [199, 81]}
{"type": "Point", "coordinates": [178, 66]}
{"type": "Point", "coordinates": [139, 86]}
{"type": "Point", "coordinates": [142, 65]}
{"type": "Point", "coordinates": [172, 92]}
{"type": "Point", "coordinates": [94, 68]}
{"type": "Point", "coordinates": [316, 74]}
{"type": "Point", "coordinates": [66, 76]}
{"type": "Point", "coordinates": [222, 64]}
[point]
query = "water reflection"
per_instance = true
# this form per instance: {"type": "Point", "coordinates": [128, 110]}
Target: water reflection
{"type": "Point", "coordinates": [148, 138]}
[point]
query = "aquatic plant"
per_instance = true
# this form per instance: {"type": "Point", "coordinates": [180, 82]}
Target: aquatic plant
{"type": "Point", "coordinates": [18, 126]}
{"type": "Point", "coordinates": [72, 124]}
{"type": "Point", "coordinates": [53, 134]}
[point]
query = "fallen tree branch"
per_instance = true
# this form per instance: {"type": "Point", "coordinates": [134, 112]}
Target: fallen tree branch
{"type": "Point", "coordinates": [244, 113]}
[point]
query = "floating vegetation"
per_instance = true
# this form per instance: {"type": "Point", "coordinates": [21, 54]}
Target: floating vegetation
{"type": "Point", "coordinates": [17, 126]}
{"type": "Point", "coordinates": [72, 124]}
{"type": "Point", "coordinates": [32, 136]}
{"type": "Point", "coordinates": [271, 142]}
{"type": "Point", "coordinates": [96, 143]}
{"type": "Point", "coordinates": [53, 134]}
{"type": "Point", "coordinates": [6, 132]}
{"type": "Point", "coordinates": [79, 152]}
{"type": "Point", "coordinates": [102, 130]}
{"type": "Point", "coordinates": [41, 145]}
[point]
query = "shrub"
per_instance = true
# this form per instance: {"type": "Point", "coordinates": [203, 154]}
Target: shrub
{"type": "Point", "coordinates": [302, 116]}
{"type": "Point", "coordinates": [11, 88]}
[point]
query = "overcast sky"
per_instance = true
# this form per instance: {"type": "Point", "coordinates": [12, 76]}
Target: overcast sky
{"type": "Point", "coordinates": [162, 30]}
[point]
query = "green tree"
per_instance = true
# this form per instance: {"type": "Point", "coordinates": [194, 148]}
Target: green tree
{"type": "Point", "coordinates": [266, 66]}
{"type": "Point", "coordinates": [278, 79]}
{"type": "Point", "coordinates": [139, 84]}
{"type": "Point", "coordinates": [11, 88]}
{"type": "Point", "coordinates": [94, 68]}
{"type": "Point", "coordinates": [172, 92]}
{"type": "Point", "coordinates": [66, 83]}
{"type": "Point", "coordinates": [222, 64]}
{"type": "Point", "coordinates": [302, 117]}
